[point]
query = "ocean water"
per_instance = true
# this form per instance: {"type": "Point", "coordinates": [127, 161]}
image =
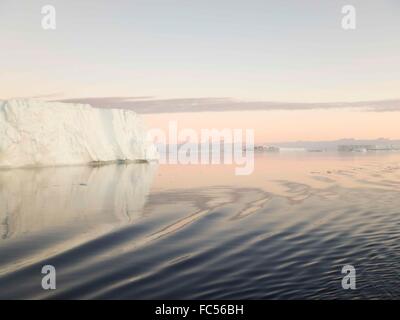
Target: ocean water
{"type": "Point", "coordinates": [148, 231]}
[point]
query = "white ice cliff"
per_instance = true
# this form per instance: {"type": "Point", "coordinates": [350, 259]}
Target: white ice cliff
{"type": "Point", "coordinates": [36, 133]}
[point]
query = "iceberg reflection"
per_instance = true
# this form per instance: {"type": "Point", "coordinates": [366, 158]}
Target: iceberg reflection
{"type": "Point", "coordinates": [58, 208]}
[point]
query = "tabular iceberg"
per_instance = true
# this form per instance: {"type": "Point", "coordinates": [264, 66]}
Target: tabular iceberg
{"type": "Point", "coordinates": [36, 133]}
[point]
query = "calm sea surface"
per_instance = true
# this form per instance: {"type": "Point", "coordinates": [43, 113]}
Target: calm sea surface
{"type": "Point", "coordinates": [147, 231]}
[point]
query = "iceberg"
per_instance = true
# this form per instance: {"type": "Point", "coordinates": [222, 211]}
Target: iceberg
{"type": "Point", "coordinates": [37, 133]}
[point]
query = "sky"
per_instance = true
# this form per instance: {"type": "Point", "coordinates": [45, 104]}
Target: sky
{"type": "Point", "coordinates": [246, 52]}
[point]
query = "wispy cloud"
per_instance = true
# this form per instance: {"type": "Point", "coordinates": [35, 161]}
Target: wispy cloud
{"type": "Point", "coordinates": [153, 105]}
{"type": "Point", "coordinates": [46, 96]}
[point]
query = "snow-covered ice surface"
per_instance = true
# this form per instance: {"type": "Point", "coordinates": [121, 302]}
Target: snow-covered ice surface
{"type": "Point", "coordinates": [37, 133]}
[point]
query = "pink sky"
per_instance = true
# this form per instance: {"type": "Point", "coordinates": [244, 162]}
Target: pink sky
{"type": "Point", "coordinates": [278, 126]}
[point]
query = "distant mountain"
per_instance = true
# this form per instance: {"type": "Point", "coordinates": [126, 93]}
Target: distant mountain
{"type": "Point", "coordinates": [332, 145]}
